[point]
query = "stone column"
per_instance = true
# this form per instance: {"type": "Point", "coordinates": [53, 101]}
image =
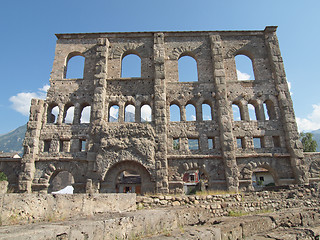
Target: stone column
{"type": "Point", "coordinates": [160, 118]}
{"type": "Point", "coordinates": [77, 114]}
{"type": "Point", "coordinates": [224, 112]}
{"type": "Point", "coordinates": [98, 108]}
{"type": "Point", "coordinates": [288, 120]}
{"type": "Point", "coordinates": [31, 145]}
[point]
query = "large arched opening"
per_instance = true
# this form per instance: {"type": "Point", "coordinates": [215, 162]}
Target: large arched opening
{"type": "Point", "coordinates": [61, 182]}
{"type": "Point", "coordinates": [127, 176]}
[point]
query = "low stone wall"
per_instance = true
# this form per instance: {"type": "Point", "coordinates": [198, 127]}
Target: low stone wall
{"type": "Point", "coordinates": [27, 208]}
{"type": "Point", "coordinates": [224, 205]}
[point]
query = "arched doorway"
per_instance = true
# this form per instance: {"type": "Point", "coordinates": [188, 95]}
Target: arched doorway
{"type": "Point", "coordinates": [127, 176]}
{"type": "Point", "coordinates": [61, 183]}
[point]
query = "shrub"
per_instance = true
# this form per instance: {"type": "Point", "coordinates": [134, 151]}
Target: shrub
{"type": "Point", "coordinates": [3, 177]}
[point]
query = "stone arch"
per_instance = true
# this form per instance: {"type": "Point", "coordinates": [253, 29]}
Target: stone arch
{"type": "Point", "coordinates": [110, 180]}
{"type": "Point", "coordinates": [68, 109]}
{"type": "Point", "coordinates": [191, 111]}
{"type": "Point", "coordinates": [113, 112]}
{"type": "Point", "coordinates": [256, 111]}
{"type": "Point", "coordinates": [248, 170]}
{"type": "Point", "coordinates": [52, 115]}
{"type": "Point", "coordinates": [147, 115]}
{"type": "Point", "coordinates": [135, 62]}
{"type": "Point", "coordinates": [182, 51]}
{"type": "Point", "coordinates": [270, 109]}
{"type": "Point", "coordinates": [175, 112]}
{"type": "Point", "coordinates": [244, 56]}
{"type": "Point", "coordinates": [188, 67]}
{"type": "Point", "coordinates": [239, 105]}
{"type": "Point", "coordinates": [128, 115]}
{"type": "Point", "coordinates": [85, 109]}
{"type": "Point", "coordinates": [204, 105]}
{"type": "Point", "coordinates": [53, 183]}
{"type": "Point", "coordinates": [69, 56]}
{"type": "Point", "coordinates": [76, 169]}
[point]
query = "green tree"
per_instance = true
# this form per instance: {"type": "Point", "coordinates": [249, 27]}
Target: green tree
{"type": "Point", "coordinates": [3, 177]}
{"type": "Point", "coordinates": [309, 144]}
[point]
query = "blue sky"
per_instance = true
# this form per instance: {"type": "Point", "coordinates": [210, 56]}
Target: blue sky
{"type": "Point", "coordinates": [28, 40]}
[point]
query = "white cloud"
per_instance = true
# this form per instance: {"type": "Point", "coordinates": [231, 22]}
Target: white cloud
{"type": "Point", "coordinates": [130, 108]}
{"type": "Point", "coordinates": [21, 102]}
{"type": "Point", "coordinates": [193, 117]}
{"type": "Point", "coordinates": [243, 76]}
{"type": "Point", "coordinates": [312, 122]}
{"type": "Point", "coordinates": [114, 111]}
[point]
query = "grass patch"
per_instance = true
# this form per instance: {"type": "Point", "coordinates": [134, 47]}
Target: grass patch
{"type": "Point", "coordinates": [241, 213]}
{"type": "Point", "coordinates": [215, 192]}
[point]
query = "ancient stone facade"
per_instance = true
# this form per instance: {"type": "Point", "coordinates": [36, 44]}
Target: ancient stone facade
{"type": "Point", "coordinates": [158, 149]}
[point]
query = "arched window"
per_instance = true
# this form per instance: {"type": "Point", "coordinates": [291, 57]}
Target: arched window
{"type": "Point", "coordinates": [129, 113]}
{"type": "Point", "coordinates": [190, 113]}
{"type": "Point", "coordinates": [146, 113]}
{"type": "Point", "coordinates": [174, 113]}
{"type": "Point", "coordinates": [237, 112]}
{"type": "Point", "coordinates": [85, 114]}
{"type": "Point", "coordinates": [68, 114]}
{"type": "Point", "coordinates": [244, 67]}
{"type": "Point", "coordinates": [131, 66]}
{"type": "Point", "coordinates": [252, 112]}
{"type": "Point", "coordinates": [53, 112]}
{"type": "Point", "coordinates": [75, 66]}
{"type": "Point", "coordinates": [113, 113]}
{"type": "Point", "coordinates": [269, 110]}
{"type": "Point", "coordinates": [61, 182]}
{"type": "Point", "coordinates": [206, 112]}
{"type": "Point", "coordinates": [187, 67]}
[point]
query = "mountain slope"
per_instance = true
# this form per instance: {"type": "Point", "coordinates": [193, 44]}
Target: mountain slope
{"type": "Point", "coordinates": [12, 141]}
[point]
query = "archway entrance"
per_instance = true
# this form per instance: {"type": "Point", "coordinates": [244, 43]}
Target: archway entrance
{"type": "Point", "coordinates": [261, 177]}
{"type": "Point", "coordinates": [61, 182]}
{"type": "Point", "coordinates": [126, 177]}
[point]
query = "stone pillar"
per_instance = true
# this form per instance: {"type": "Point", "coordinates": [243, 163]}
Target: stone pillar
{"type": "Point", "coordinates": [77, 113]}
{"type": "Point", "coordinates": [199, 112]}
{"type": "Point", "coordinates": [137, 115]}
{"type": "Point", "coordinates": [224, 115]}
{"type": "Point", "coordinates": [160, 118]}
{"type": "Point", "coordinates": [289, 124]}
{"type": "Point", "coordinates": [98, 108]}
{"type": "Point", "coordinates": [31, 145]}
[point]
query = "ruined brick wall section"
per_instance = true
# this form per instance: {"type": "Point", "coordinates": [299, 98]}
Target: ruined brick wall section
{"type": "Point", "coordinates": [286, 106]}
{"type": "Point", "coordinates": [225, 125]}
{"type": "Point", "coordinates": [52, 145]}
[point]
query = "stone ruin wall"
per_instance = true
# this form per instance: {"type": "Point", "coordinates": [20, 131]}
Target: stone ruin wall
{"type": "Point", "coordinates": [147, 148]}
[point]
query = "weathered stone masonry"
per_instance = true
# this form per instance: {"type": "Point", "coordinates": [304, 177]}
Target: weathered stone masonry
{"type": "Point", "coordinates": [51, 145]}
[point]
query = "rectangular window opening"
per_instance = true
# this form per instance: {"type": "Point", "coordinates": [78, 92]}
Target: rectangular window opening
{"type": "Point", "coordinates": [258, 142]}
{"type": "Point", "coordinates": [61, 145]}
{"type": "Point", "coordinates": [83, 143]}
{"type": "Point", "coordinates": [193, 144]}
{"type": "Point", "coordinates": [276, 141]}
{"type": "Point", "coordinates": [211, 143]}
{"type": "Point", "coordinates": [240, 142]}
{"type": "Point", "coordinates": [46, 145]}
{"type": "Point", "coordinates": [176, 144]}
